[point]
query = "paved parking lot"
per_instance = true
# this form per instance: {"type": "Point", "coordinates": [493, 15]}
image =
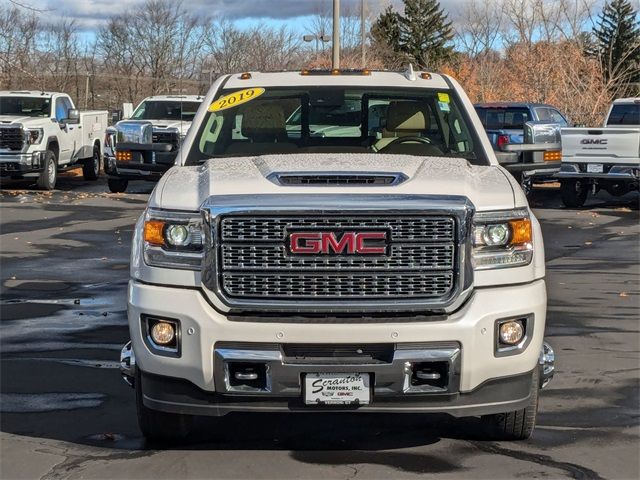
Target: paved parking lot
{"type": "Point", "coordinates": [67, 414]}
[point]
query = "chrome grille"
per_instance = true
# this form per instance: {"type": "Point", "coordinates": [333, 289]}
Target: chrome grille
{"type": "Point", "coordinates": [11, 138]}
{"type": "Point", "coordinates": [331, 285]}
{"type": "Point", "coordinates": [275, 229]}
{"type": "Point", "coordinates": [274, 257]}
{"type": "Point", "coordinates": [254, 260]}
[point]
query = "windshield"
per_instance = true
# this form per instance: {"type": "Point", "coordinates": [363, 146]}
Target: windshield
{"type": "Point", "coordinates": [624, 114]}
{"type": "Point", "coordinates": [339, 119]}
{"type": "Point", "coordinates": [25, 106]}
{"type": "Point", "coordinates": [166, 110]}
{"type": "Point", "coordinates": [507, 118]}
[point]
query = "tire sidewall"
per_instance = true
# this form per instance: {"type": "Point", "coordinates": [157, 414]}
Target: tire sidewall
{"type": "Point", "coordinates": [49, 175]}
{"type": "Point", "coordinates": [96, 160]}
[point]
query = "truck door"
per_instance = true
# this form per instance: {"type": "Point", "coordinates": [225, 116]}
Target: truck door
{"type": "Point", "coordinates": [69, 133]}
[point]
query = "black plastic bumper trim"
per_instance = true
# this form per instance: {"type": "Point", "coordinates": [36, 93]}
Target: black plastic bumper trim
{"type": "Point", "coordinates": [497, 395]}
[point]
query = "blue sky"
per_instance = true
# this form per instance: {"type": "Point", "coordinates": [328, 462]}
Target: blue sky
{"type": "Point", "coordinates": [90, 14]}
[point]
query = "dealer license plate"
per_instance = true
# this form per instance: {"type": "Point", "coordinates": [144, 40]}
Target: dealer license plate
{"type": "Point", "coordinates": [594, 168]}
{"type": "Point", "coordinates": [337, 389]}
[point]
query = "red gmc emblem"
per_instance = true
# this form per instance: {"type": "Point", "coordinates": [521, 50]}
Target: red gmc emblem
{"type": "Point", "coordinates": [328, 243]}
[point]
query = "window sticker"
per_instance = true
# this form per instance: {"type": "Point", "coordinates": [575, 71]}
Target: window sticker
{"type": "Point", "coordinates": [444, 107]}
{"type": "Point", "coordinates": [236, 98]}
{"type": "Point", "coordinates": [443, 97]}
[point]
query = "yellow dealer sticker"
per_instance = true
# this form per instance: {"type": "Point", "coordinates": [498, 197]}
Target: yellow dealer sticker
{"type": "Point", "coordinates": [443, 97]}
{"type": "Point", "coordinates": [236, 98]}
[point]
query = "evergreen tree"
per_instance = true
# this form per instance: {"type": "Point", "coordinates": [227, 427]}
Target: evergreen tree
{"type": "Point", "coordinates": [421, 36]}
{"type": "Point", "coordinates": [425, 33]}
{"type": "Point", "coordinates": [617, 42]}
{"type": "Point", "coordinates": [386, 29]}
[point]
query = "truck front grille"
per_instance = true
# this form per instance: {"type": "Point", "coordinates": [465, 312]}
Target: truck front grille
{"type": "Point", "coordinates": [11, 138]}
{"type": "Point", "coordinates": [255, 261]}
{"type": "Point", "coordinates": [171, 137]}
{"type": "Point", "coordinates": [331, 285]}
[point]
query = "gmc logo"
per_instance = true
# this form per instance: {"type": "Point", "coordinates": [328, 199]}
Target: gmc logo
{"type": "Point", "coordinates": [593, 141]}
{"type": "Point", "coordinates": [327, 243]}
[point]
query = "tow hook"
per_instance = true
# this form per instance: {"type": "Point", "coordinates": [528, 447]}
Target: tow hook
{"type": "Point", "coordinates": [128, 364]}
{"type": "Point", "coordinates": [547, 363]}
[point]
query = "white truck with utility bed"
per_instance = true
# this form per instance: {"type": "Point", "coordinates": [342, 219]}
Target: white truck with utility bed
{"type": "Point", "coordinates": [387, 264]}
{"type": "Point", "coordinates": [163, 121]}
{"type": "Point", "coordinates": [602, 158]}
{"type": "Point", "coordinates": [42, 133]}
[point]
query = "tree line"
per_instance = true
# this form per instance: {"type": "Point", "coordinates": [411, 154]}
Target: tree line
{"type": "Point", "coordinates": [564, 52]}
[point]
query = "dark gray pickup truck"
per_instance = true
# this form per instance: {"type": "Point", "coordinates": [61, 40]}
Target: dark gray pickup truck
{"type": "Point", "coordinates": [509, 126]}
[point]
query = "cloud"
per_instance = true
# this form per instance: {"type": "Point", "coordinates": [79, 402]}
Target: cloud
{"type": "Point", "coordinates": [92, 13]}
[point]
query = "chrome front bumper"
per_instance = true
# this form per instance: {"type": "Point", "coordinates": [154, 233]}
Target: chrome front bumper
{"type": "Point", "coordinates": [20, 163]}
{"type": "Point", "coordinates": [282, 390]}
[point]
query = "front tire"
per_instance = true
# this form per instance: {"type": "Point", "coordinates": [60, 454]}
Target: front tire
{"type": "Point", "coordinates": [519, 424]}
{"type": "Point", "coordinates": [91, 167]}
{"type": "Point", "coordinates": [573, 192]}
{"type": "Point", "coordinates": [49, 174]}
{"type": "Point", "coordinates": [159, 426]}
{"type": "Point", "coordinates": [117, 185]}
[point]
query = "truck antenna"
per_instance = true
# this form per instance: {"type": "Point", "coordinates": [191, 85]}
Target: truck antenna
{"type": "Point", "coordinates": [410, 74]}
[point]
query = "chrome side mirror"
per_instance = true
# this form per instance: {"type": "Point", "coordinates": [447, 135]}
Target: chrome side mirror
{"type": "Point", "coordinates": [137, 132]}
{"type": "Point", "coordinates": [539, 132]}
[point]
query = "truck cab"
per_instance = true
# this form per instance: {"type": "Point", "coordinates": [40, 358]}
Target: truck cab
{"type": "Point", "coordinates": [166, 120]}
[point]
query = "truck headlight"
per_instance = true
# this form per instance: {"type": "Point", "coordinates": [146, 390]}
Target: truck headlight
{"type": "Point", "coordinates": [173, 239]}
{"type": "Point", "coordinates": [34, 135]}
{"type": "Point", "coordinates": [502, 239]}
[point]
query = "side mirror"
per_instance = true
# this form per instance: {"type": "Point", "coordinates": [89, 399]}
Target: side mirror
{"type": "Point", "coordinates": [539, 132]}
{"type": "Point", "coordinates": [127, 110]}
{"type": "Point", "coordinates": [134, 132]}
{"type": "Point", "coordinates": [73, 117]}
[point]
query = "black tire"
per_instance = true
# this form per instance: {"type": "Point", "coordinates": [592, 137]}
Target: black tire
{"type": "Point", "coordinates": [49, 174]}
{"type": "Point", "coordinates": [525, 182]}
{"type": "Point", "coordinates": [516, 425]}
{"type": "Point", "coordinates": [117, 185]}
{"type": "Point", "coordinates": [573, 192]}
{"type": "Point", "coordinates": [159, 426]}
{"type": "Point", "coordinates": [91, 166]}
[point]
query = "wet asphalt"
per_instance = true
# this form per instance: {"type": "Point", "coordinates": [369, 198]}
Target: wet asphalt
{"type": "Point", "coordinates": [66, 413]}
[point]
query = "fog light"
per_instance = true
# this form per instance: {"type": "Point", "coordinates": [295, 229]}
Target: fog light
{"type": "Point", "coordinates": [511, 332]}
{"type": "Point", "coordinates": [163, 333]}
{"type": "Point", "coordinates": [177, 235]}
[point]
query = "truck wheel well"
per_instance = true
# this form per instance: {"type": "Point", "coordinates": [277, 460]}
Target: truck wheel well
{"type": "Point", "coordinates": [97, 144]}
{"type": "Point", "coordinates": [53, 146]}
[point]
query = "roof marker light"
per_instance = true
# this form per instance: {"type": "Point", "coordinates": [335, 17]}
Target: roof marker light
{"type": "Point", "coordinates": [425, 76]}
{"type": "Point", "coordinates": [245, 76]}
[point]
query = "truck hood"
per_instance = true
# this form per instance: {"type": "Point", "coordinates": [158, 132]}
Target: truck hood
{"type": "Point", "coordinates": [187, 188]}
{"type": "Point", "coordinates": [11, 119]}
{"type": "Point", "coordinates": [181, 126]}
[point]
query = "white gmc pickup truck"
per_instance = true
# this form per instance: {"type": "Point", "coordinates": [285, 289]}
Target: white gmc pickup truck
{"type": "Point", "coordinates": [367, 254]}
{"type": "Point", "coordinates": [42, 132]}
{"type": "Point", "coordinates": [602, 158]}
{"type": "Point", "coordinates": [163, 122]}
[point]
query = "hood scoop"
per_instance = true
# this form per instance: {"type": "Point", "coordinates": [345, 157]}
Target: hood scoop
{"type": "Point", "coordinates": [337, 179]}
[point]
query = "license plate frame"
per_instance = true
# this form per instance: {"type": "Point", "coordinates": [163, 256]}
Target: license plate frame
{"type": "Point", "coordinates": [344, 388]}
{"type": "Point", "coordinates": [595, 168]}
